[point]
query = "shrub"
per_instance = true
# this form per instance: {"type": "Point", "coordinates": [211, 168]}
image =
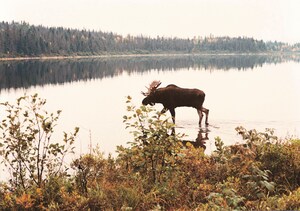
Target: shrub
{"type": "Point", "coordinates": [26, 144]}
{"type": "Point", "coordinates": [279, 157]}
{"type": "Point", "coordinates": [282, 159]}
{"type": "Point", "coordinates": [155, 151]}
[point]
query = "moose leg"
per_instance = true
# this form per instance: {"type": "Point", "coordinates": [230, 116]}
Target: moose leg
{"type": "Point", "coordinates": [172, 111]}
{"type": "Point", "coordinates": [206, 111]}
{"type": "Point", "coordinates": [200, 115]}
{"type": "Point", "coordinates": [164, 110]}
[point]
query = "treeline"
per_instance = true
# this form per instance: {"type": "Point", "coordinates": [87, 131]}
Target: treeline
{"type": "Point", "coordinates": [23, 39]}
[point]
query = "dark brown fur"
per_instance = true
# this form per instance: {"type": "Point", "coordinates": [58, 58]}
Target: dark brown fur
{"type": "Point", "coordinates": [173, 96]}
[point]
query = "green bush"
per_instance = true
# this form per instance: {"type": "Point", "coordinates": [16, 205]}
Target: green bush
{"type": "Point", "coordinates": [282, 159]}
{"type": "Point", "coordinates": [26, 143]}
{"type": "Point", "coordinates": [155, 151]}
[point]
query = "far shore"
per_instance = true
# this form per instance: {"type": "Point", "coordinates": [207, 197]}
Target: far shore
{"type": "Point", "coordinates": [83, 57]}
{"type": "Point", "coordinates": [135, 55]}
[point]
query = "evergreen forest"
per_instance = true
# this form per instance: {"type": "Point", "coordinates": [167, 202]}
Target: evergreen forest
{"type": "Point", "coordinates": [22, 39]}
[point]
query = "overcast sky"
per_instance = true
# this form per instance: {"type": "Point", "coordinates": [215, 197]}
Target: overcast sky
{"type": "Point", "coordinates": [262, 19]}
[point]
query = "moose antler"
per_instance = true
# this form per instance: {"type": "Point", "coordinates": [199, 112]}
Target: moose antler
{"type": "Point", "coordinates": [152, 87]}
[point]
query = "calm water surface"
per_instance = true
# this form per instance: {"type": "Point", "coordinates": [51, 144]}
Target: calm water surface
{"type": "Point", "coordinates": [251, 91]}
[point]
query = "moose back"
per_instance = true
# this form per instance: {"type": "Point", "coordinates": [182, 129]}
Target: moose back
{"type": "Point", "coordinates": [173, 96]}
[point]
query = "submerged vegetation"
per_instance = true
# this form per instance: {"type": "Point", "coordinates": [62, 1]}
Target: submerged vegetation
{"type": "Point", "coordinates": [154, 172]}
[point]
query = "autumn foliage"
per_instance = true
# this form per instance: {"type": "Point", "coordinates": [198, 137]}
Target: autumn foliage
{"type": "Point", "coordinates": [156, 172]}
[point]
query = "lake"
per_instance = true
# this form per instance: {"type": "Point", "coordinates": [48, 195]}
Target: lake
{"type": "Point", "coordinates": [254, 91]}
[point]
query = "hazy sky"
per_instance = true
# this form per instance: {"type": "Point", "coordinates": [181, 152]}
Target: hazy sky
{"type": "Point", "coordinates": [261, 19]}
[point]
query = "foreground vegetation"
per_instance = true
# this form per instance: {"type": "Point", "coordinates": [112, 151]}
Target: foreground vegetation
{"type": "Point", "coordinates": [155, 172]}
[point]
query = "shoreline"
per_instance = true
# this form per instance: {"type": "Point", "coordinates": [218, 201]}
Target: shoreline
{"type": "Point", "coordinates": [85, 57]}
{"type": "Point", "coordinates": [140, 55]}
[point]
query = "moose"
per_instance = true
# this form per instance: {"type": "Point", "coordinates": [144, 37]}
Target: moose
{"type": "Point", "coordinates": [173, 96]}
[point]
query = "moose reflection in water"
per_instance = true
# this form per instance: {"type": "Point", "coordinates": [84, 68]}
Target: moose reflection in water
{"type": "Point", "coordinates": [173, 96]}
{"type": "Point", "coordinates": [200, 140]}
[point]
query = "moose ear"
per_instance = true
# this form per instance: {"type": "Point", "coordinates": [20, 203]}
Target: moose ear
{"type": "Point", "coordinates": [143, 93]}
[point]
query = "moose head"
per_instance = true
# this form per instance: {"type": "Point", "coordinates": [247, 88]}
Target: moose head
{"type": "Point", "coordinates": [150, 94]}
